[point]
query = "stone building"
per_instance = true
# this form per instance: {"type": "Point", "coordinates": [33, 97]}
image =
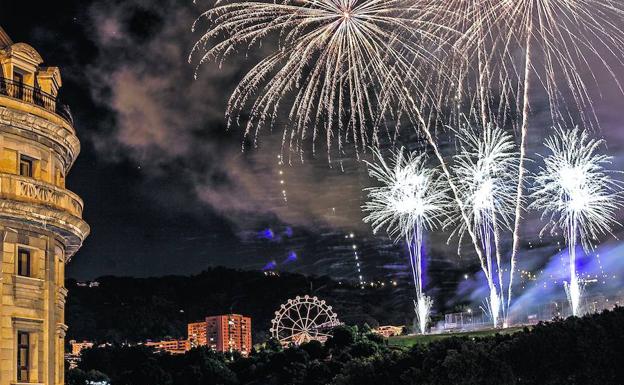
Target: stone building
{"type": "Point", "coordinates": [41, 224]}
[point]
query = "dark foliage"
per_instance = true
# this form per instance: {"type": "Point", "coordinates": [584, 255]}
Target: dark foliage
{"type": "Point", "coordinates": [586, 351]}
{"type": "Point", "coordinates": [137, 309]}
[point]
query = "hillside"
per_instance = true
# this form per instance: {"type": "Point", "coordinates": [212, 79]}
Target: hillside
{"type": "Point", "coordinates": [136, 309]}
{"type": "Point", "coordinates": [587, 350]}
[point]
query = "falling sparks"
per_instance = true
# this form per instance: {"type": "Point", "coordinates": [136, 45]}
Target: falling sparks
{"type": "Point", "coordinates": [410, 200]}
{"type": "Point", "coordinates": [578, 195]}
{"type": "Point", "coordinates": [339, 66]}
{"type": "Point", "coordinates": [484, 172]}
{"type": "Point", "coordinates": [356, 258]}
{"type": "Point", "coordinates": [282, 178]}
{"type": "Point", "coordinates": [556, 39]}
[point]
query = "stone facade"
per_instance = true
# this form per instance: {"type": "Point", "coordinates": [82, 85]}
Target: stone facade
{"type": "Point", "coordinates": [41, 224]}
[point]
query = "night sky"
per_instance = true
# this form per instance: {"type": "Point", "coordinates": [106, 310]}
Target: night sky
{"type": "Point", "coordinates": [168, 190]}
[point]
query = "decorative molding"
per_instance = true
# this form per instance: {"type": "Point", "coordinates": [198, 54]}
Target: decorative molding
{"type": "Point", "coordinates": [63, 135]}
{"type": "Point", "coordinates": [61, 330]}
{"type": "Point", "coordinates": [27, 324]}
{"type": "Point", "coordinates": [34, 191]}
{"type": "Point", "coordinates": [71, 229]}
{"type": "Point", "coordinates": [26, 51]}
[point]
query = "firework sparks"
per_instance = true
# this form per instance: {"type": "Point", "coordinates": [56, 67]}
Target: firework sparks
{"type": "Point", "coordinates": [577, 194]}
{"type": "Point", "coordinates": [343, 68]}
{"type": "Point", "coordinates": [509, 49]}
{"type": "Point", "coordinates": [484, 172]}
{"type": "Point", "coordinates": [410, 200]}
{"type": "Point", "coordinates": [340, 65]}
{"type": "Point", "coordinates": [552, 41]}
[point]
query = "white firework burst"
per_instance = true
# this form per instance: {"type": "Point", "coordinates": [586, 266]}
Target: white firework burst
{"type": "Point", "coordinates": [409, 196]}
{"type": "Point", "coordinates": [339, 65]}
{"type": "Point", "coordinates": [578, 194]}
{"type": "Point", "coordinates": [515, 53]}
{"type": "Point", "coordinates": [485, 170]}
{"type": "Point", "coordinates": [410, 199]}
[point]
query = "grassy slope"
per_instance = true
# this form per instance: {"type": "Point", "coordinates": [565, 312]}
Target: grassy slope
{"type": "Point", "coordinates": [427, 338]}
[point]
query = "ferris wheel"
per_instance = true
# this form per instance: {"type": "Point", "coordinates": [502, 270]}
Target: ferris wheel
{"type": "Point", "coordinates": [303, 319]}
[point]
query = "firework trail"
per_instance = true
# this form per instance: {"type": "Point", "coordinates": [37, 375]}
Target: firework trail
{"type": "Point", "coordinates": [510, 49]}
{"type": "Point", "coordinates": [339, 66]}
{"type": "Point", "coordinates": [577, 194]}
{"type": "Point", "coordinates": [410, 199]}
{"type": "Point", "coordinates": [484, 171]}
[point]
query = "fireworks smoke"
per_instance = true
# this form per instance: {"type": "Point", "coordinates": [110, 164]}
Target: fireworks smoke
{"type": "Point", "coordinates": [577, 194]}
{"type": "Point", "coordinates": [411, 199]}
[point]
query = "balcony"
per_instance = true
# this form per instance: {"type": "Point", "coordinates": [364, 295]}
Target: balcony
{"type": "Point", "coordinates": [35, 96]}
{"type": "Point", "coordinates": [24, 189]}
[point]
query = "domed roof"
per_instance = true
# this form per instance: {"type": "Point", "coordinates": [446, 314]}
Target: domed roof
{"type": "Point", "coordinates": [27, 52]}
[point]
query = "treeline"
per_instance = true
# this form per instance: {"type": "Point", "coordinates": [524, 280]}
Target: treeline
{"type": "Point", "coordinates": [124, 309]}
{"type": "Point", "coordinates": [588, 350]}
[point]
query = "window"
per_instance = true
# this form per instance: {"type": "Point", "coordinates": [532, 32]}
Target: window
{"type": "Point", "coordinates": [23, 356]}
{"type": "Point", "coordinates": [18, 78]}
{"type": "Point", "coordinates": [23, 262]}
{"type": "Point", "coordinates": [26, 166]}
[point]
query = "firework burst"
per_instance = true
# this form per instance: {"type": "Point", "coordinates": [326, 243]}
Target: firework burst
{"type": "Point", "coordinates": [578, 195]}
{"type": "Point", "coordinates": [340, 66]}
{"type": "Point", "coordinates": [484, 172]}
{"type": "Point", "coordinates": [511, 49]}
{"type": "Point", "coordinates": [411, 199]}
{"type": "Point", "coordinates": [556, 43]}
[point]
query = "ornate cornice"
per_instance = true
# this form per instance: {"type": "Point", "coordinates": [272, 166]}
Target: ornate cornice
{"type": "Point", "coordinates": [25, 51]}
{"type": "Point", "coordinates": [61, 136]}
{"type": "Point", "coordinates": [71, 229]}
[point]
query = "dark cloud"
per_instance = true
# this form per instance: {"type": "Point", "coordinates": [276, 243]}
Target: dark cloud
{"type": "Point", "coordinates": [172, 126]}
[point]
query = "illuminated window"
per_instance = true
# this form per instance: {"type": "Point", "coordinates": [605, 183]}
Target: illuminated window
{"type": "Point", "coordinates": [23, 262]}
{"type": "Point", "coordinates": [26, 166]}
{"type": "Point", "coordinates": [23, 353]}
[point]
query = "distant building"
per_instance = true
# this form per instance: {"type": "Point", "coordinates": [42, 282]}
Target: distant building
{"type": "Point", "coordinates": [78, 347]}
{"type": "Point", "coordinates": [229, 332]}
{"type": "Point", "coordinates": [197, 333]}
{"type": "Point", "coordinates": [223, 333]}
{"type": "Point", "coordinates": [170, 346]}
{"type": "Point", "coordinates": [88, 284]}
{"type": "Point", "coordinates": [389, 330]}
{"type": "Point", "coordinates": [72, 360]}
